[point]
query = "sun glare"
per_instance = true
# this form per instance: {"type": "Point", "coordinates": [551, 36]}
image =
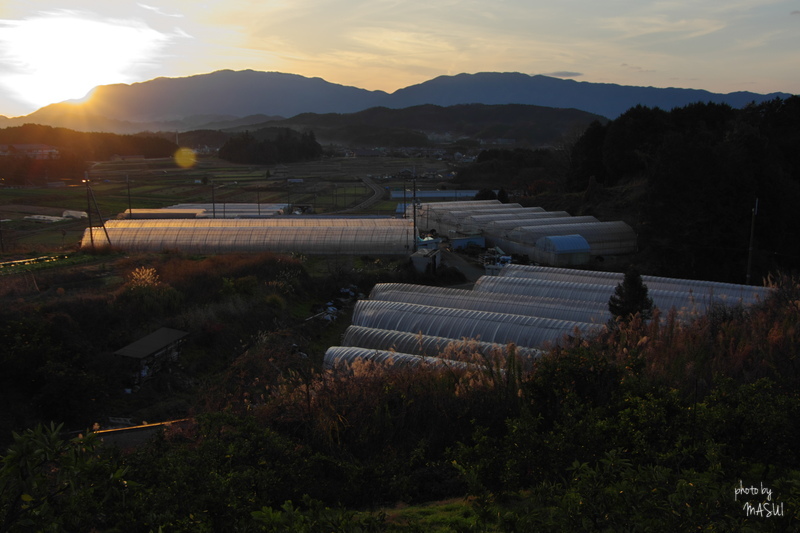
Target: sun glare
{"type": "Point", "coordinates": [185, 158]}
{"type": "Point", "coordinates": [58, 57]}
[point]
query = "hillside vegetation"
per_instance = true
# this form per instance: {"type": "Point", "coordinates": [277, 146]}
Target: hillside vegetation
{"type": "Point", "coordinates": [648, 426]}
{"type": "Point", "coordinates": [687, 180]}
{"type": "Point", "coordinates": [661, 425]}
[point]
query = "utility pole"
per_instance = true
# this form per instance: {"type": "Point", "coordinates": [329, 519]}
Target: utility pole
{"type": "Point", "coordinates": [752, 239]}
{"type": "Point", "coordinates": [405, 202]}
{"type": "Point", "coordinates": [90, 199]}
{"type": "Point", "coordinates": [130, 209]}
{"type": "Point", "coordinates": [89, 208]}
{"type": "Point", "coordinates": [414, 200]}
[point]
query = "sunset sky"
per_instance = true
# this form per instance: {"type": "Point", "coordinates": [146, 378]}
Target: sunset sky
{"type": "Point", "coordinates": [53, 50]}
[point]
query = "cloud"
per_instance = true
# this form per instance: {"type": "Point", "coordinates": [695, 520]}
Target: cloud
{"type": "Point", "coordinates": [634, 68]}
{"type": "Point", "coordinates": [563, 74]}
{"type": "Point", "coordinates": [159, 11]}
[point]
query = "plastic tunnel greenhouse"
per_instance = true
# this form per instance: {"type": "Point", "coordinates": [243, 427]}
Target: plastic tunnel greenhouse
{"type": "Point", "coordinates": [683, 301]}
{"type": "Point", "coordinates": [322, 236]}
{"type": "Point", "coordinates": [338, 356]}
{"type": "Point", "coordinates": [557, 308]}
{"type": "Point", "coordinates": [498, 328]}
{"type": "Point", "coordinates": [530, 306]}
{"type": "Point", "coordinates": [604, 238]}
{"type": "Point", "coordinates": [414, 343]}
{"type": "Point", "coordinates": [717, 291]}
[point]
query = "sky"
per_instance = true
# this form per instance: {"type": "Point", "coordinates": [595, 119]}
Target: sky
{"type": "Point", "coordinates": [55, 50]}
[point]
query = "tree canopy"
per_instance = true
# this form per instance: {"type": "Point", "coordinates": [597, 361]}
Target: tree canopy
{"type": "Point", "coordinates": [630, 298]}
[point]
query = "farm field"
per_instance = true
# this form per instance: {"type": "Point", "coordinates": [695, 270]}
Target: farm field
{"type": "Point", "coordinates": [330, 186]}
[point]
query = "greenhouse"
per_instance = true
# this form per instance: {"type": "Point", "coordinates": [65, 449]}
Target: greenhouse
{"type": "Point", "coordinates": [687, 302]}
{"type": "Point", "coordinates": [514, 307]}
{"type": "Point", "coordinates": [497, 217]}
{"type": "Point", "coordinates": [281, 221]}
{"type": "Point", "coordinates": [323, 238]}
{"type": "Point", "coordinates": [456, 220]}
{"type": "Point", "coordinates": [557, 308]}
{"type": "Point", "coordinates": [428, 345]}
{"type": "Point", "coordinates": [433, 212]}
{"type": "Point", "coordinates": [561, 250]}
{"type": "Point", "coordinates": [235, 210]}
{"type": "Point", "coordinates": [729, 292]}
{"type": "Point", "coordinates": [498, 328]}
{"type": "Point", "coordinates": [604, 238]}
{"type": "Point", "coordinates": [344, 356]}
{"type": "Point", "coordinates": [502, 227]}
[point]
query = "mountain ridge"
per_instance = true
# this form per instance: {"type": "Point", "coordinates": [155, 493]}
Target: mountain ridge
{"type": "Point", "coordinates": [170, 103]}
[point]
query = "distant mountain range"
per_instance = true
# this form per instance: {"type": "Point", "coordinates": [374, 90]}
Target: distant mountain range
{"type": "Point", "coordinates": [230, 99]}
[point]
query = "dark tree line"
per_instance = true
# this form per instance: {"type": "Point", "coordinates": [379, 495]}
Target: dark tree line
{"type": "Point", "coordinates": [699, 168]}
{"type": "Point", "coordinates": [75, 150]}
{"type": "Point", "coordinates": [704, 166]}
{"type": "Point", "coordinates": [285, 147]}
{"type": "Point", "coordinates": [92, 146]}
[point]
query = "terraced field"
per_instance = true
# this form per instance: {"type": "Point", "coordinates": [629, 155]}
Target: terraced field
{"type": "Point", "coordinates": [342, 185]}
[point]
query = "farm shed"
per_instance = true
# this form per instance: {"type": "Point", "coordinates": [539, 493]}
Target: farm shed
{"type": "Point", "coordinates": [560, 250]}
{"type": "Point", "coordinates": [312, 236]}
{"type": "Point", "coordinates": [148, 354]}
{"type": "Point", "coordinates": [460, 241]}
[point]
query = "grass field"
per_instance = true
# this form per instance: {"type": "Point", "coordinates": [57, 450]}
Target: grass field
{"type": "Point", "coordinates": [329, 186]}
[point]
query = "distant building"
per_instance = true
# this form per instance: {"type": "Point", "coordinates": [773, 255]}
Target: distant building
{"type": "Point", "coordinates": [148, 355]}
{"type": "Point", "coordinates": [33, 151]}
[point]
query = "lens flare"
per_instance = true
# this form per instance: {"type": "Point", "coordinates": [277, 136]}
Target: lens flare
{"type": "Point", "coordinates": [185, 158]}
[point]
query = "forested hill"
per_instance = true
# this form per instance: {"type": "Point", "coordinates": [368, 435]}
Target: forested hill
{"type": "Point", "coordinates": [687, 180]}
{"type": "Point", "coordinates": [420, 125]}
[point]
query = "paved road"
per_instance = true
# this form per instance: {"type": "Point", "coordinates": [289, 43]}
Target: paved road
{"type": "Point", "coordinates": [377, 195]}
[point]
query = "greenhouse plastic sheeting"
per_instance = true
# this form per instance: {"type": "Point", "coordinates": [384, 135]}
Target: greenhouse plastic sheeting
{"type": "Point", "coordinates": [506, 227]}
{"type": "Point", "coordinates": [605, 238]}
{"type": "Point", "coordinates": [436, 210]}
{"type": "Point", "coordinates": [282, 221]}
{"type": "Point", "coordinates": [563, 244]}
{"type": "Point", "coordinates": [413, 343]}
{"type": "Point", "coordinates": [500, 328]}
{"type": "Point", "coordinates": [730, 292]}
{"type": "Point", "coordinates": [323, 240]}
{"type": "Point", "coordinates": [497, 217]}
{"type": "Point", "coordinates": [560, 309]}
{"type": "Point", "coordinates": [685, 301]}
{"type": "Point", "coordinates": [456, 216]}
{"type": "Point", "coordinates": [591, 231]}
{"type": "Point", "coordinates": [338, 356]}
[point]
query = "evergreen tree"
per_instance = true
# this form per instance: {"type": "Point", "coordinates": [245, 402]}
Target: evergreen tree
{"type": "Point", "coordinates": [630, 297]}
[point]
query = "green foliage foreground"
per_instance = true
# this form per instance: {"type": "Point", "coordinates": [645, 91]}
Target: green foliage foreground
{"type": "Point", "coordinates": [666, 425]}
